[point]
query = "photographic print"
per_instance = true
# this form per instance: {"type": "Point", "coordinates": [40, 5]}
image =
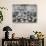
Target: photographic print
{"type": "Point", "coordinates": [24, 13]}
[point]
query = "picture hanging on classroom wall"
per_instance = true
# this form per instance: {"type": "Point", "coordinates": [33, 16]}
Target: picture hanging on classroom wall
{"type": "Point", "coordinates": [24, 13]}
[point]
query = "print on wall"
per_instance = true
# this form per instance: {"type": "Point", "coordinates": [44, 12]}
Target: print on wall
{"type": "Point", "coordinates": [24, 13]}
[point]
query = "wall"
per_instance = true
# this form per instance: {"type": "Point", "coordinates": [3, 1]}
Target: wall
{"type": "Point", "coordinates": [23, 29]}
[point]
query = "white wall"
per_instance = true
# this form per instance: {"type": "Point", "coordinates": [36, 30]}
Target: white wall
{"type": "Point", "coordinates": [25, 29]}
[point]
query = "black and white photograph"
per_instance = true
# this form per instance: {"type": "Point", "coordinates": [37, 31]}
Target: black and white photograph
{"type": "Point", "coordinates": [24, 13]}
